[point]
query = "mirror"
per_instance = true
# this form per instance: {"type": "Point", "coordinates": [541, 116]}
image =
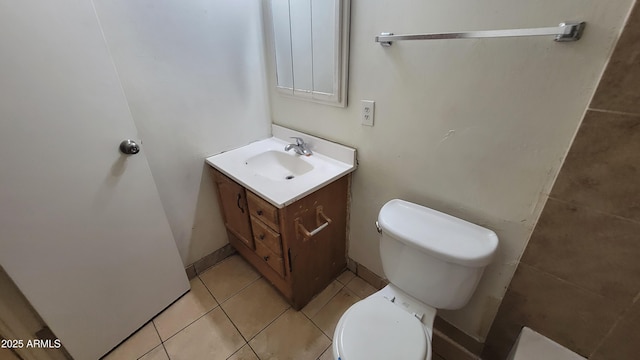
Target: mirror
{"type": "Point", "coordinates": [310, 44]}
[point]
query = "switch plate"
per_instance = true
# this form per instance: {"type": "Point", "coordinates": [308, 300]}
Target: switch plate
{"type": "Point", "coordinates": [368, 111]}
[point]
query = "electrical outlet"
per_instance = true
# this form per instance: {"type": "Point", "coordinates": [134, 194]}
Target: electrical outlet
{"type": "Point", "coordinates": [368, 111]}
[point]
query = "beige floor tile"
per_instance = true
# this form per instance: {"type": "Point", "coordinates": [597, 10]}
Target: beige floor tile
{"type": "Point", "coordinates": [322, 299]}
{"type": "Point", "coordinates": [245, 353]}
{"type": "Point", "coordinates": [228, 277]}
{"type": "Point", "coordinates": [253, 308]}
{"type": "Point", "coordinates": [137, 345]}
{"type": "Point", "coordinates": [327, 354]}
{"type": "Point", "coordinates": [291, 337]}
{"type": "Point", "coordinates": [327, 318]}
{"type": "Point", "coordinates": [187, 309]}
{"type": "Point", "coordinates": [345, 277]}
{"type": "Point", "coordinates": [156, 354]}
{"type": "Point", "coordinates": [212, 337]}
{"type": "Point", "coordinates": [361, 287]}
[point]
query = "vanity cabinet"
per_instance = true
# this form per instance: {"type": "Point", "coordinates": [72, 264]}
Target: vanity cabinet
{"type": "Point", "coordinates": [299, 248]}
{"type": "Point", "coordinates": [233, 201]}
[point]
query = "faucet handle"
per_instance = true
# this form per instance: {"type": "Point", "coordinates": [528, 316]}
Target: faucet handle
{"type": "Point", "coordinates": [299, 141]}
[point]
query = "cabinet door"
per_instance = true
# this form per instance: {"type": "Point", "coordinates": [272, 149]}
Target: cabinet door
{"type": "Point", "coordinates": [234, 205]}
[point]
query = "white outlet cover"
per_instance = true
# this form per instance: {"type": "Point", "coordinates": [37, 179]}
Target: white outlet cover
{"type": "Point", "coordinates": [367, 112]}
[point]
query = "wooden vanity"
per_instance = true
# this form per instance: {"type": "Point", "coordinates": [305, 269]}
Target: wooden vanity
{"type": "Point", "coordinates": [299, 248]}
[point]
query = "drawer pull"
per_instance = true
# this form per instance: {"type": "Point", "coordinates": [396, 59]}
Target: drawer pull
{"type": "Point", "coordinates": [266, 258]}
{"type": "Point", "coordinates": [306, 233]}
{"type": "Point", "coordinates": [261, 236]}
{"type": "Point", "coordinates": [238, 203]}
{"type": "Point", "coordinates": [259, 212]}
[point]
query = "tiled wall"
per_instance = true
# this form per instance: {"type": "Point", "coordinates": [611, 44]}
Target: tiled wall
{"type": "Point", "coordinates": [578, 282]}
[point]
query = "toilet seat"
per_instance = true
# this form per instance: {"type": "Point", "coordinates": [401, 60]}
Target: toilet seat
{"type": "Point", "coordinates": [376, 328]}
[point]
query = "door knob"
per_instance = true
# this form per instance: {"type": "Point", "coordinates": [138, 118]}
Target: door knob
{"type": "Point", "coordinates": [129, 147]}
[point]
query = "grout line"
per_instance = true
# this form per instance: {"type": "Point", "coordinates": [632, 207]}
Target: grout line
{"type": "Point", "coordinates": [316, 325]}
{"type": "Point", "coordinates": [228, 317]}
{"type": "Point", "coordinates": [199, 317]}
{"type": "Point", "coordinates": [234, 325]}
{"type": "Point", "coordinates": [321, 331]}
{"type": "Point", "coordinates": [614, 112]}
{"type": "Point", "coordinates": [254, 352]}
{"type": "Point", "coordinates": [621, 317]}
{"type": "Point", "coordinates": [232, 295]}
{"type": "Point", "coordinates": [345, 284]}
{"type": "Point", "coordinates": [212, 266]}
{"type": "Point", "coordinates": [220, 261]}
{"type": "Point", "coordinates": [350, 281]}
{"type": "Point", "coordinates": [143, 355]}
{"type": "Point", "coordinates": [235, 352]}
{"type": "Point", "coordinates": [585, 206]}
{"type": "Point", "coordinates": [323, 306]}
{"type": "Point", "coordinates": [325, 350]}
{"type": "Point", "coordinates": [271, 322]}
{"type": "Point", "coordinates": [241, 290]}
{"type": "Point", "coordinates": [186, 326]}
{"type": "Point", "coordinates": [166, 351]}
{"type": "Point", "coordinates": [566, 282]}
{"type": "Point", "coordinates": [156, 329]}
{"type": "Point", "coordinates": [224, 312]}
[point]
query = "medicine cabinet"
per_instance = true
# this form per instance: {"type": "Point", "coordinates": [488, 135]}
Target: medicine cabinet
{"type": "Point", "coordinates": [310, 44]}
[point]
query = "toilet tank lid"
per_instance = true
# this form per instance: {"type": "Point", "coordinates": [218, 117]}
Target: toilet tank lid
{"type": "Point", "coordinates": [438, 234]}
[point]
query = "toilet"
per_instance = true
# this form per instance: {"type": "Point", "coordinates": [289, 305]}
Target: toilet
{"type": "Point", "coordinates": [432, 261]}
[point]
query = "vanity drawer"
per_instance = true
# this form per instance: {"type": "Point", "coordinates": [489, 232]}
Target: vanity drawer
{"type": "Point", "coordinates": [266, 236]}
{"type": "Point", "coordinates": [263, 210]}
{"type": "Point", "coordinates": [273, 260]}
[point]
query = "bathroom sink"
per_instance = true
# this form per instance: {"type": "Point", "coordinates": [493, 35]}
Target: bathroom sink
{"type": "Point", "coordinates": [282, 177]}
{"type": "Point", "coordinates": [278, 165]}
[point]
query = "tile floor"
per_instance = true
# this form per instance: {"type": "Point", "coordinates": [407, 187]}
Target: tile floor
{"type": "Point", "coordinates": [233, 313]}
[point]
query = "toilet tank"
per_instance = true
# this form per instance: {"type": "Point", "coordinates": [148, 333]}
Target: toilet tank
{"type": "Point", "coordinates": [432, 256]}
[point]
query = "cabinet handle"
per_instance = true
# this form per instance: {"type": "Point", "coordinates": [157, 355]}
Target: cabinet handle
{"type": "Point", "coordinates": [261, 236]}
{"type": "Point", "coordinates": [259, 212]}
{"type": "Point", "coordinates": [238, 203]}
{"type": "Point", "coordinates": [266, 258]}
{"type": "Point", "coordinates": [300, 229]}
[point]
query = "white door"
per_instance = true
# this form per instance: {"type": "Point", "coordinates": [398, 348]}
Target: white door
{"type": "Point", "coordinates": [82, 230]}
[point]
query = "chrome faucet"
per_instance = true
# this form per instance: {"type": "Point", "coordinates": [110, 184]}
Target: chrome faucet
{"type": "Point", "coordinates": [300, 147]}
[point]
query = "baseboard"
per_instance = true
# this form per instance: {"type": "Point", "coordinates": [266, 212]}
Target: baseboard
{"type": "Point", "coordinates": [457, 336]}
{"type": "Point", "coordinates": [449, 349]}
{"type": "Point", "coordinates": [199, 266]}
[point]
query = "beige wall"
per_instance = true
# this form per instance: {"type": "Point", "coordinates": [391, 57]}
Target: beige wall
{"type": "Point", "coordinates": [193, 74]}
{"type": "Point", "coordinates": [579, 279]}
{"type": "Point", "coordinates": [474, 128]}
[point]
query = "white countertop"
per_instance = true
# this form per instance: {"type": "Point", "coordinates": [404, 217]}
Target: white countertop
{"type": "Point", "coordinates": [329, 162]}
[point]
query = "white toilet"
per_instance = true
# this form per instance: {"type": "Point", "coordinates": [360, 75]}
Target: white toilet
{"type": "Point", "coordinates": [432, 260]}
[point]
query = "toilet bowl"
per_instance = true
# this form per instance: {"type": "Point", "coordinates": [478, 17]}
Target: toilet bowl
{"type": "Point", "coordinates": [386, 325]}
{"type": "Point", "coordinates": [432, 260]}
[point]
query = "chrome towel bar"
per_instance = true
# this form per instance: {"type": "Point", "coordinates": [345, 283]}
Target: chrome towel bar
{"type": "Point", "coordinates": [566, 31]}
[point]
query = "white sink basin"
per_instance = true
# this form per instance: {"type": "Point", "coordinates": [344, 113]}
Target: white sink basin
{"type": "Point", "coordinates": [283, 177]}
{"type": "Point", "coordinates": [278, 165]}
